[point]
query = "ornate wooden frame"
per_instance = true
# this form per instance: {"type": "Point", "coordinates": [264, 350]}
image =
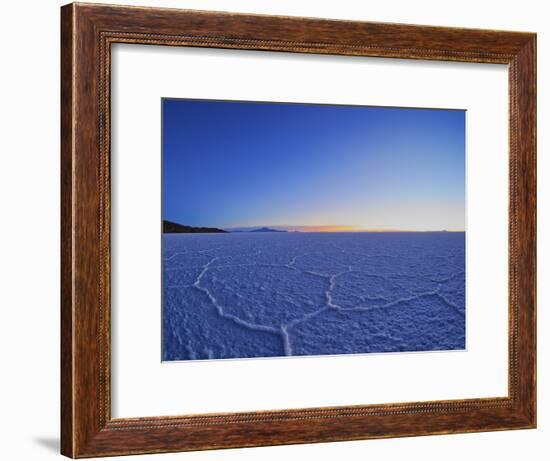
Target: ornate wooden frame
{"type": "Point", "coordinates": [88, 31]}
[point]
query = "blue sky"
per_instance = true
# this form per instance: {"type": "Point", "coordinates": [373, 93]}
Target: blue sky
{"type": "Point", "coordinates": [317, 167]}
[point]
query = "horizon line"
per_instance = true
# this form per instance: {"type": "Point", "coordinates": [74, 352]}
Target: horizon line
{"type": "Point", "coordinates": [323, 228]}
{"type": "Point", "coordinates": [337, 228]}
{"type": "Point", "coordinates": [228, 229]}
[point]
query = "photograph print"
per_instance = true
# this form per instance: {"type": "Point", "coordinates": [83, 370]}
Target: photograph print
{"type": "Point", "coordinates": [293, 229]}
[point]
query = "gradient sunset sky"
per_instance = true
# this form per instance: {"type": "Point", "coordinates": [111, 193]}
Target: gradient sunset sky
{"type": "Point", "coordinates": [312, 167]}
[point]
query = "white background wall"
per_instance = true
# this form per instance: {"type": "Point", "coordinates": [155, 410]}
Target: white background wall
{"type": "Point", "coordinates": [29, 240]}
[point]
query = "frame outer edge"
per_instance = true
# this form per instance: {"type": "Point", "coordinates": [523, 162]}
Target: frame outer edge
{"type": "Point", "coordinates": [67, 416]}
{"type": "Point", "coordinates": [534, 230]}
{"type": "Point", "coordinates": [80, 423]}
{"type": "Point", "coordinates": [527, 89]}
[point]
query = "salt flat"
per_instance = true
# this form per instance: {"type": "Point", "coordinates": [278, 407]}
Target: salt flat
{"type": "Point", "coordinates": [238, 295]}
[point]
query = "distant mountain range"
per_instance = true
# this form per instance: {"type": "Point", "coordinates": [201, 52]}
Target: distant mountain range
{"type": "Point", "coordinates": [267, 229]}
{"type": "Point", "coordinates": [169, 227]}
{"type": "Point", "coordinates": [253, 229]}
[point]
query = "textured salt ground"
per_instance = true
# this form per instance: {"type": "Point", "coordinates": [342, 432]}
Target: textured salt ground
{"type": "Point", "coordinates": [274, 294]}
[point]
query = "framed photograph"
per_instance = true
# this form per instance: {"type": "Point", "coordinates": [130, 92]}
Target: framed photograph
{"type": "Point", "coordinates": [285, 230]}
{"type": "Point", "coordinates": [313, 231]}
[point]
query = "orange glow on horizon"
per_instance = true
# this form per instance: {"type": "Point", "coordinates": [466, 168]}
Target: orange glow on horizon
{"type": "Point", "coordinates": [347, 228]}
{"type": "Point", "coordinates": [334, 229]}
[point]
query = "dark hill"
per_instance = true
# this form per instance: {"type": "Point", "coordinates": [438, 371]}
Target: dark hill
{"type": "Point", "coordinates": [169, 227]}
{"type": "Point", "coordinates": [267, 229]}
